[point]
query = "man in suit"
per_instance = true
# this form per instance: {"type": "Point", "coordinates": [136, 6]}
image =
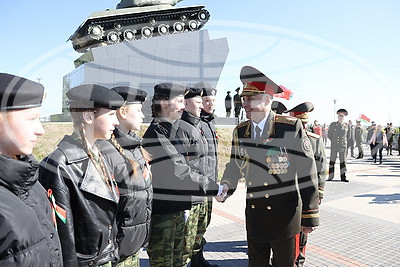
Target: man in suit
{"type": "Point", "coordinates": [339, 134]}
{"type": "Point", "coordinates": [273, 153]}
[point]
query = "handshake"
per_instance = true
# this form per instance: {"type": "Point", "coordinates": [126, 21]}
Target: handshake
{"type": "Point", "coordinates": [222, 192]}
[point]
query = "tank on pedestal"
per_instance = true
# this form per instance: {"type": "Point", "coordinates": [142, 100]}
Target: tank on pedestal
{"type": "Point", "coordinates": [135, 20]}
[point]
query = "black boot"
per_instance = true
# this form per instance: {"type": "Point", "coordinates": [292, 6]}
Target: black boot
{"type": "Point", "coordinates": [195, 261]}
{"type": "Point", "coordinates": [202, 261]}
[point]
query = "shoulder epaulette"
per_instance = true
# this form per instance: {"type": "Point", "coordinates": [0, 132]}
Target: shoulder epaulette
{"type": "Point", "coordinates": [285, 119]}
{"type": "Point", "coordinates": [243, 124]}
{"type": "Point", "coordinates": [311, 134]}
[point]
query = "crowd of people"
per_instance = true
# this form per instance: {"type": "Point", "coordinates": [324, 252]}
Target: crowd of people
{"type": "Point", "coordinates": [105, 192]}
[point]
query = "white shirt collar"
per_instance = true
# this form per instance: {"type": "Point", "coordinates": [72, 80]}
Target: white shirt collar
{"type": "Point", "coordinates": [261, 124]}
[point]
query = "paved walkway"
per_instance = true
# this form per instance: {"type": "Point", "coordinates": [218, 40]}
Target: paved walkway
{"type": "Point", "coordinates": [360, 221]}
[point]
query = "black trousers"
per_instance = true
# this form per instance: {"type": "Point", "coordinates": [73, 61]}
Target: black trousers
{"type": "Point", "coordinates": [342, 160]}
{"type": "Point", "coordinates": [284, 251]}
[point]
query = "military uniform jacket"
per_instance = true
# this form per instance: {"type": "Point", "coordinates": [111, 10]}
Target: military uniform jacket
{"type": "Point", "coordinates": [208, 128]}
{"type": "Point", "coordinates": [88, 235]}
{"type": "Point", "coordinates": [358, 134]}
{"type": "Point", "coordinates": [321, 161]}
{"type": "Point", "coordinates": [136, 192]}
{"type": "Point", "coordinates": [194, 148]}
{"type": "Point", "coordinates": [174, 182]}
{"type": "Point", "coordinates": [237, 100]}
{"type": "Point", "coordinates": [27, 233]}
{"type": "Point", "coordinates": [339, 134]}
{"type": "Point", "coordinates": [281, 178]}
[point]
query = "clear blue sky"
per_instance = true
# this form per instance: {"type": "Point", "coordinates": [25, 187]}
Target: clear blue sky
{"type": "Point", "coordinates": [321, 50]}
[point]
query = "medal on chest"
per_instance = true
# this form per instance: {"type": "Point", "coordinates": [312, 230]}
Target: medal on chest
{"type": "Point", "coordinates": [277, 160]}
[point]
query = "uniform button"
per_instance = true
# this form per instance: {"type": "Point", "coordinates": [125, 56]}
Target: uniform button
{"type": "Point", "coordinates": [265, 184]}
{"type": "Point", "coordinates": [249, 183]}
{"type": "Point", "coordinates": [269, 207]}
{"type": "Point", "coordinates": [250, 195]}
{"type": "Point", "coordinates": [253, 206]}
{"type": "Point", "coordinates": [91, 263]}
{"type": "Point", "coordinates": [266, 195]}
{"type": "Point", "coordinates": [110, 227]}
{"type": "Point", "coordinates": [51, 235]}
{"type": "Point", "coordinates": [110, 241]}
{"type": "Point", "coordinates": [112, 254]}
{"type": "Point", "coordinates": [26, 194]}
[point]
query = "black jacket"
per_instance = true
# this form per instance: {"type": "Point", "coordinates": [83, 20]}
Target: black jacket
{"type": "Point", "coordinates": [281, 178]}
{"type": "Point", "coordinates": [88, 236]}
{"type": "Point", "coordinates": [173, 180]}
{"type": "Point", "coordinates": [136, 192]}
{"type": "Point", "coordinates": [208, 128]}
{"type": "Point", "coordinates": [27, 233]}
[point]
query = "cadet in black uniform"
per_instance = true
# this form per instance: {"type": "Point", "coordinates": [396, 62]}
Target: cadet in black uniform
{"type": "Point", "coordinates": [132, 173]}
{"type": "Point", "coordinates": [339, 134]}
{"type": "Point", "coordinates": [174, 182]}
{"type": "Point", "coordinates": [28, 236]}
{"type": "Point", "coordinates": [228, 104]}
{"type": "Point", "coordinates": [301, 112]}
{"type": "Point", "coordinates": [208, 127]}
{"type": "Point", "coordinates": [81, 181]}
{"type": "Point", "coordinates": [195, 150]}
{"type": "Point", "coordinates": [275, 156]}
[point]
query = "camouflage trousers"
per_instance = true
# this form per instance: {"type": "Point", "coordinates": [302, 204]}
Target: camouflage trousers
{"type": "Point", "coordinates": [195, 228]}
{"type": "Point", "coordinates": [131, 261]}
{"type": "Point", "coordinates": [166, 240]}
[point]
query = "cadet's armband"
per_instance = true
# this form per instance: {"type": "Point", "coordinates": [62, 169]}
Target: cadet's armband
{"type": "Point", "coordinates": [285, 119]}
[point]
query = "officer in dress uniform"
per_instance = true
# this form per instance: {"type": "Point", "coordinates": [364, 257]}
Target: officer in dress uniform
{"type": "Point", "coordinates": [358, 134]}
{"type": "Point", "coordinates": [301, 112]}
{"type": "Point", "coordinates": [274, 155]}
{"type": "Point", "coordinates": [339, 134]}
{"type": "Point", "coordinates": [237, 103]}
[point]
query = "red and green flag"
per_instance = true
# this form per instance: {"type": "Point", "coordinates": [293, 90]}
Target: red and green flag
{"type": "Point", "coordinates": [365, 119]}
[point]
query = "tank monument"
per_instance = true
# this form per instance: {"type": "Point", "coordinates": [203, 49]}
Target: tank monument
{"type": "Point", "coordinates": [145, 42]}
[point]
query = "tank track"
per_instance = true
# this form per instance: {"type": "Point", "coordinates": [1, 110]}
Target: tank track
{"type": "Point", "coordinates": [135, 24]}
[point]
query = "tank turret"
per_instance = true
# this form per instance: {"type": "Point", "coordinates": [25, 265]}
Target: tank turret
{"type": "Point", "coordinates": [136, 19]}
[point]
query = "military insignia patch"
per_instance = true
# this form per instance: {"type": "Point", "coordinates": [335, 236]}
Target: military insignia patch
{"type": "Point", "coordinates": [306, 143]}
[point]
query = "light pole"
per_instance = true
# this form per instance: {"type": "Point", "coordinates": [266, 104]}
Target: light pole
{"type": "Point", "coordinates": [334, 109]}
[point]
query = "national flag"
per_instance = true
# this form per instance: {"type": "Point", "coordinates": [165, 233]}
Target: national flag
{"type": "Point", "coordinates": [286, 94]}
{"type": "Point", "coordinates": [365, 119]}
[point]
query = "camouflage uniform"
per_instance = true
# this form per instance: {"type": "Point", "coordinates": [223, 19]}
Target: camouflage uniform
{"type": "Point", "coordinates": [166, 241]}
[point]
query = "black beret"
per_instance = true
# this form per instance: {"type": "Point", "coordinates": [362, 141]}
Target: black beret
{"type": "Point", "coordinates": [209, 92]}
{"type": "Point", "coordinates": [131, 95]}
{"type": "Point", "coordinates": [342, 111]}
{"type": "Point", "coordinates": [278, 107]}
{"type": "Point", "coordinates": [19, 93]}
{"type": "Point", "coordinates": [193, 92]}
{"type": "Point", "coordinates": [169, 90]}
{"type": "Point", "coordinates": [89, 96]}
{"type": "Point", "coordinates": [303, 107]}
